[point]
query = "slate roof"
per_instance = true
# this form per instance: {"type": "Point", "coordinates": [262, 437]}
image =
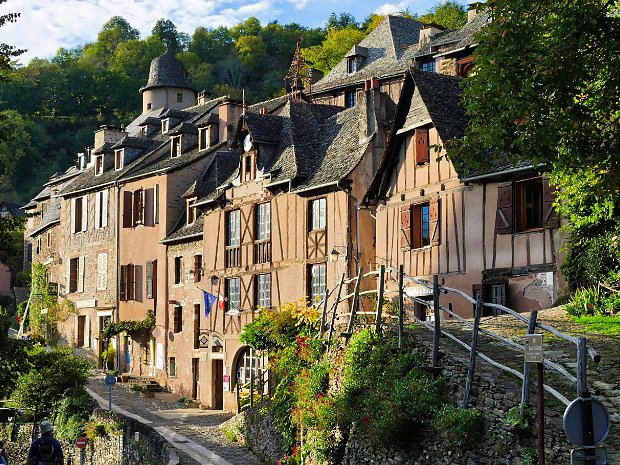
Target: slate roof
{"type": "Point", "coordinates": [183, 231]}
{"type": "Point", "coordinates": [133, 128]}
{"type": "Point", "coordinates": [386, 46]}
{"type": "Point", "coordinates": [44, 194]}
{"type": "Point", "coordinates": [12, 208]}
{"type": "Point", "coordinates": [273, 104]}
{"type": "Point", "coordinates": [51, 216]}
{"type": "Point", "coordinates": [264, 128]}
{"type": "Point", "coordinates": [106, 147]}
{"type": "Point", "coordinates": [134, 142]}
{"type": "Point", "coordinates": [167, 71]}
{"type": "Point", "coordinates": [184, 128]}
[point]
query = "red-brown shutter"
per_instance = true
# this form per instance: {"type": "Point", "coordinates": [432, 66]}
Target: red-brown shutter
{"type": "Point", "coordinates": [197, 268]}
{"type": "Point", "coordinates": [503, 218]}
{"type": "Point", "coordinates": [548, 214]}
{"type": "Point", "coordinates": [73, 275]}
{"type": "Point", "coordinates": [123, 283]}
{"type": "Point", "coordinates": [434, 221]}
{"type": "Point", "coordinates": [131, 282]}
{"type": "Point", "coordinates": [149, 207]}
{"type": "Point", "coordinates": [422, 154]}
{"type": "Point", "coordinates": [405, 226]}
{"type": "Point", "coordinates": [127, 205]}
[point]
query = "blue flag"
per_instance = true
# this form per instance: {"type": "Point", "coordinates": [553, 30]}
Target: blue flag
{"type": "Point", "coordinates": [209, 301]}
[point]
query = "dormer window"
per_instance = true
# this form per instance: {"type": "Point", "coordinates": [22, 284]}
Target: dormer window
{"type": "Point", "coordinates": [165, 125]}
{"type": "Point", "coordinates": [190, 210]}
{"type": "Point", "coordinates": [149, 106]}
{"type": "Point", "coordinates": [351, 65]}
{"type": "Point", "coordinates": [143, 131]}
{"type": "Point", "coordinates": [204, 138]}
{"type": "Point", "coordinates": [119, 156]}
{"type": "Point", "coordinates": [175, 146]}
{"type": "Point", "coordinates": [82, 161]}
{"type": "Point", "coordinates": [98, 165]}
{"type": "Point", "coordinates": [350, 98]}
{"type": "Point", "coordinates": [428, 66]}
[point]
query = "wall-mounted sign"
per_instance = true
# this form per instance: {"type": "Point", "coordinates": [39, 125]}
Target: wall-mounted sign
{"type": "Point", "coordinates": [226, 383]}
{"type": "Point", "coordinates": [533, 348]}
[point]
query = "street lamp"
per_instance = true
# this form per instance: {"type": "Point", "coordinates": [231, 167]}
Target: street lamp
{"type": "Point", "coordinates": [334, 254]}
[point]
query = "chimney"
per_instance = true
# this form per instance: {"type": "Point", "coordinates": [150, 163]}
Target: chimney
{"type": "Point", "coordinates": [108, 133]}
{"type": "Point", "coordinates": [471, 13]}
{"type": "Point", "coordinates": [426, 34]}
{"type": "Point", "coordinates": [203, 97]}
{"type": "Point", "coordinates": [229, 113]}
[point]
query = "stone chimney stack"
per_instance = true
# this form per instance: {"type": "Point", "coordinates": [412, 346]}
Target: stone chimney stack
{"type": "Point", "coordinates": [471, 13]}
{"type": "Point", "coordinates": [109, 134]}
{"type": "Point", "coordinates": [426, 33]}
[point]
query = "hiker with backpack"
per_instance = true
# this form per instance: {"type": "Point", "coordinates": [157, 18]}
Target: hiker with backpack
{"type": "Point", "coordinates": [4, 458]}
{"type": "Point", "coordinates": [46, 450]}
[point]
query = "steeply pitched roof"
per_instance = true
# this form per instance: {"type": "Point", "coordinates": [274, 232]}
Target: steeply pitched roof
{"type": "Point", "coordinates": [386, 46]}
{"type": "Point", "coordinates": [50, 217]}
{"type": "Point", "coordinates": [183, 231]}
{"type": "Point", "coordinates": [167, 71]}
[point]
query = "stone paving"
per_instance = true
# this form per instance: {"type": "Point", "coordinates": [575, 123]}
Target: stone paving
{"type": "Point", "coordinates": [194, 433]}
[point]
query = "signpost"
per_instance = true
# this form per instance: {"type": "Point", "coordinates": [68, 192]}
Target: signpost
{"type": "Point", "coordinates": [534, 354]}
{"type": "Point", "coordinates": [80, 443]}
{"type": "Point", "coordinates": [110, 380]}
{"type": "Point", "coordinates": [578, 456]}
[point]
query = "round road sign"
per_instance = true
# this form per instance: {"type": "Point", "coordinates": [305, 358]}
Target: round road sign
{"type": "Point", "coordinates": [110, 380]}
{"type": "Point", "coordinates": [573, 422]}
{"type": "Point", "coordinates": [80, 443]}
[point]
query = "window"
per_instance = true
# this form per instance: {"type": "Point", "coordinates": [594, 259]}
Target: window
{"type": "Point", "coordinates": [150, 279]}
{"type": "Point", "coordinates": [190, 211]}
{"type": "Point", "coordinates": [179, 98]}
{"type": "Point", "coordinates": [428, 66]}
{"type": "Point", "coordinates": [233, 295]}
{"type": "Point", "coordinates": [317, 280]}
{"type": "Point", "coordinates": [498, 294]}
{"type": "Point", "coordinates": [203, 138]}
{"type": "Point", "coordinates": [250, 365]}
{"type": "Point", "coordinates": [102, 271]}
{"type": "Point", "coordinates": [196, 326]}
{"type": "Point", "coordinates": [178, 270]}
{"type": "Point", "coordinates": [263, 221]}
{"type": "Point", "coordinates": [419, 225]}
{"type": "Point", "coordinates": [101, 209]}
{"type": "Point", "coordinates": [524, 206]}
{"type": "Point", "coordinates": [422, 149]}
{"type": "Point", "coordinates": [76, 275]}
{"type": "Point", "coordinates": [318, 209]}
{"type": "Point", "coordinates": [79, 214]}
{"type": "Point", "coordinates": [143, 131]}
{"type": "Point", "coordinates": [177, 319]}
{"type": "Point", "coordinates": [172, 367]}
{"type": "Point", "coordinates": [233, 239]}
{"type": "Point", "coordinates": [350, 98]}
{"type": "Point", "coordinates": [149, 106]}
{"type": "Point", "coordinates": [248, 173]}
{"type": "Point", "coordinates": [39, 249]}
{"type": "Point", "coordinates": [175, 146]}
{"type": "Point", "coordinates": [119, 159]}
{"type": "Point", "coordinates": [138, 206]}
{"type": "Point", "coordinates": [81, 330]}
{"type": "Point", "coordinates": [49, 238]}
{"type": "Point", "coordinates": [165, 125]}
{"type": "Point", "coordinates": [98, 165]}
{"type": "Point", "coordinates": [263, 291]}
{"type": "Point", "coordinates": [351, 65]}
{"type": "Point", "coordinates": [197, 268]}
{"type": "Point", "coordinates": [529, 205]}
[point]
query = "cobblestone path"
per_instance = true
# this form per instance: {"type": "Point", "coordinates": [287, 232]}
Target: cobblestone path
{"type": "Point", "coordinates": [194, 433]}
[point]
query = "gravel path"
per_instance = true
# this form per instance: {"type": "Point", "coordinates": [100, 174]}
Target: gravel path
{"type": "Point", "coordinates": [181, 426]}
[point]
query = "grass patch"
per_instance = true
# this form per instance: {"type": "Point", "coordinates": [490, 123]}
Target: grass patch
{"type": "Point", "coordinates": [606, 325]}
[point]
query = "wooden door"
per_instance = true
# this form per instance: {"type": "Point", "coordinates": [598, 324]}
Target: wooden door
{"type": "Point", "coordinates": [195, 379]}
{"type": "Point", "coordinates": [217, 387]}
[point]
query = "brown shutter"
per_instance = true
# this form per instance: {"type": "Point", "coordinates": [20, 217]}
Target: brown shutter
{"type": "Point", "coordinates": [405, 226]}
{"type": "Point", "coordinates": [149, 206]}
{"type": "Point", "coordinates": [155, 284]}
{"type": "Point", "coordinates": [503, 218]}
{"type": "Point", "coordinates": [434, 221]}
{"type": "Point", "coordinates": [127, 199]}
{"type": "Point", "coordinates": [422, 154]}
{"type": "Point", "coordinates": [131, 282]}
{"type": "Point", "coordinates": [197, 268]}
{"type": "Point", "coordinates": [73, 275]}
{"type": "Point", "coordinates": [123, 283]}
{"type": "Point", "coordinates": [149, 280]}
{"type": "Point", "coordinates": [139, 284]}
{"type": "Point", "coordinates": [549, 217]}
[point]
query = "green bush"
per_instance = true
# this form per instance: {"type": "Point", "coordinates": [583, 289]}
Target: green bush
{"type": "Point", "coordinates": [592, 302]}
{"type": "Point", "coordinates": [461, 427]}
{"type": "Point", "coordinates": [590, 259]}
{"type": "Point", "coordinates": [522, 419]}
{"type": "Point", "coordinates": [73, 413]}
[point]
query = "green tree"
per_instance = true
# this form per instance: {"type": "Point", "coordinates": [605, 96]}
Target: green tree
{"type": "Point", "coordinates": [212, 45]}
{"type": "Point", "coordinates": [341, 21]}
{"type": "Point", "coordinates": [337, 43]}
{"type": "Point", "coordinates": [166, 31]}
{"type": "Point", "coordinates": [7, 52]}
{"type": "Point", "coordinates": [449, 14]}
{"type": "Point", "coordinates": [252, 53]}
{"type": "Point", "coordinates": [116, 31]}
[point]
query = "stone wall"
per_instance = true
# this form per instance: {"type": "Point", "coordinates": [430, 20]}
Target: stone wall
{"type": "Point", "coordinates": [136, 444]}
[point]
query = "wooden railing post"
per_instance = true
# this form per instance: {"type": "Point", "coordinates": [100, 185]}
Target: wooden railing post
{"type": "Point", "coordinates": [380, 299]}
{"type": "Point", "coordinates": [356, 297]}
{"type": "Point", "coordinates": [527, 367]}
{"type": "Point", "coordinates": [437, 313]}
{"type": "Point", "coordinates": [474, 349]}
{"type": "Point", "coordinates": [336, 302]}
{"type": "Point", "coordinates": [324, 313]}
{"type": "Point", "coordinates": [401, 305]}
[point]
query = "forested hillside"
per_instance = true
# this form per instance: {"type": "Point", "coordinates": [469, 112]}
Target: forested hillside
{"type": "Point", "coordinates": [51, 107]}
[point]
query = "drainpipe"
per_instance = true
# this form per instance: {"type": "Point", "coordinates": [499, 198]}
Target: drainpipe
{"type": "Point", "coordinates": [118, 298]}
{"type": "Point", "coordinates": [357, 224]}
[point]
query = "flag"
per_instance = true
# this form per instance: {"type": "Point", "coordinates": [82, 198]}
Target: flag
{"type": "Point", "coordinates": [209, 301]}
{"type": "Point", "coordinates": [222, 302]}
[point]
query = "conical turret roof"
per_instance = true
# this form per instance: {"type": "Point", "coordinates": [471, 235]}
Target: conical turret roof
{"type": "Point", "coordinates": [167, 71]}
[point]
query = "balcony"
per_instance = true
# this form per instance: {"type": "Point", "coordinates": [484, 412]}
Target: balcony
{"type": "Point", "coordinates": [232, 257]}
{"type": "Point", "coordinates": [262, 252]}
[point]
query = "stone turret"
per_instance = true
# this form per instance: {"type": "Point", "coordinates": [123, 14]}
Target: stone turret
{"type": "Point", "coordinates": [167, 86]}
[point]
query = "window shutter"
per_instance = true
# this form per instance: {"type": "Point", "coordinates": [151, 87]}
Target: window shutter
{"type": "Point", "coordinates": [149, 206]}
{"type": "Point", "coordinates": [102, 271]}
{"type": "Point", "coordinates": [73, 216]}
{"type": "Point", "coordinates": [127, 199]}
{"type": "Point", "coordinates": [197, 266]}
{"type": "Point", "coordinates": [421, 146]}
{"type": "Point", "coordinates": [405, 226]}
{"type": "Point", "coordinates": [138, 283]}
{"type": "Point", "coordinates": [549, 217]}
{"type": "Point", "coordinates": [80, 283]}
{"type": "Point", "coordinates": [123, 283]}
{"type": "Point", "coordinates": [104, 208]}
{"type": "Point", "coordinates": [98, 209]}
{"type": "Point", "coordinates": [156, 205]}
{"type": "Point", "coordinates": [87, 331]}
{"type": "Point", "coordinates": [149, 280]}
{"type": "Point", "coordinates": [85, 213]}
{"type": "Point", "coordinates": [503, 219]}
{"type": "Point", "coordinates": [131, 282]}
{"type": "Point", "coordinates": [68, 276]}
{"type": "Point", "coordinates": [434, 221]}
{"type": "Point", "coordinates": [155, 282]}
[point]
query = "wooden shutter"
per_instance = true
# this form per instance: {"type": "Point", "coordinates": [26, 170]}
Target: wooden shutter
{"type": "Point", "coordinates": [85, 213]}
{"type": "Point", "coordinates": [155, 283]}
{"type": "Point", "coordinates": [549, 218]}
{"type": "Point", "coordinates": [131, 282]}
{"type": "Point", "coordinates": [102, 271]}
{"type": "Point", "coordinates": [81, 323]}
{"type": "Point", "coordinates": [80, 283]}
{"type": "Point", "coordinates": [503, 218]}
{"type": "Point", "coordinates": [149, 280]}
{"type": "Point", "coordinates": [434, 221]}
{"type": "Point", "coordinates": [98, 209]}
{"type": "Point", "coordinates": [123, 283]}
{"type": "Point", "coordinates": [149, 207]}
{"type": "Point", "coordinates": [104, 208]}
{"type": "Point", "coordinates": [138, 282]}
{"type": "Point", "coordinates": [422, 154]}
{"type": "Point", "coordinates": [156, 205]}
{"type": "Point", "coordinates": [178, 316]}
{"type": "Point", "coordinates": [197, 268]}
{"type": "Point", "coordinates": [87, 332]}
{"type": "Point", "coordinates": [405, 226]}
{"type": "Point", "coordinates": [73, 274]}
{"type": "Point", "coordinates": [127, 206]}
{"type": "Point", "coordinates": [73, 218]}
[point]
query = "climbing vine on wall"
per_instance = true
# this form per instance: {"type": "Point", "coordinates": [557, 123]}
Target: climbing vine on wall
{"type": "Point", "coordinates": [130, 326]}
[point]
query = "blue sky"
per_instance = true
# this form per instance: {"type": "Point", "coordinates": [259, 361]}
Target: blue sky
{"type": "Point", "coordinates": [46, 25]}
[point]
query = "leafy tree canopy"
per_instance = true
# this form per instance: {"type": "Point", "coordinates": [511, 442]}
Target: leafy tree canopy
{"type": "Point", "coordinates": [449, 14]}
{"type": "Point", "coordinates": [337, 43]}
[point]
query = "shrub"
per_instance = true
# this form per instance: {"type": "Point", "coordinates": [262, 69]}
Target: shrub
{"type": "Point", "coordinates": [461, 427]}
{"type": "Point", "coordinates": [96, 429]}
{"type": "Point", "coordinates": [522, 419]}
{"type": "Point", "coordinates": [72, 414]}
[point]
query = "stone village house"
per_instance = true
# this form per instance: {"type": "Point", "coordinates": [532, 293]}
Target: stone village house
{"type": "Point", "coordinates": [200, 195]}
